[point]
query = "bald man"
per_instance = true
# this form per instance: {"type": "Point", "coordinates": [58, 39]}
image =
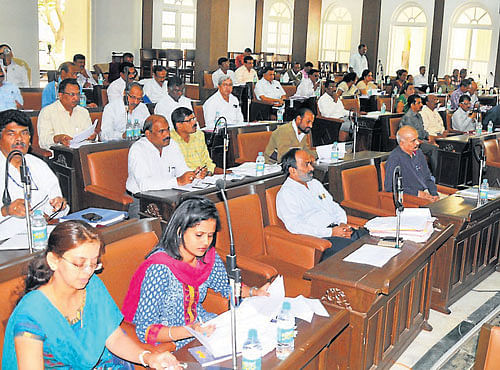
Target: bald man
{"type": "Point", "coordinates": [417, 179]}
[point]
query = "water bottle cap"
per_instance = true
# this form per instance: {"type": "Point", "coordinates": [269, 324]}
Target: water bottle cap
{"type": "Point", "coordinates": [260, 153]}
{"type": "Point", "coordinates": [252, 334]}
{"type": "Point", "coordinates": [38, 212]}
{"type": "Point", "coordinates": [485, 181]}
{"type": "Point", "coordinates": [286, 305]}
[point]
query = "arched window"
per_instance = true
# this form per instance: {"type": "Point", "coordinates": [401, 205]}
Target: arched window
{"type": "Point", "coordinates": [408, 39]}
{"type": "Point", "coordinates": [470, 42]}
{"type": "Point", "coordinates": [277, 30]}
{"type": "Point", "coordinates": [178, 24]}
{"type": "Point", "coordinates": [336, 33]}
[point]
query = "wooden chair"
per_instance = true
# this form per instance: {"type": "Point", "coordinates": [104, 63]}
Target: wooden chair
{"type": "Point", "coordinates": [11, 290]}
{"type": "Point", "coordinates": [394, 126]}
{"type": "Point", "coordinates": [449, 127]}
{"type": "Point", "coordinates": [290, 90]}
{"type": "Point", "coordinates": [207, 80]}
{"type": "Point", "coordinates": [384, 99]}
{"type": "Point", "coordinates": [492, 152]}
{"type": "Point", "coordinates": [187, 70]}
{"type": "Point", "coordinates": [198, 112]}
{"type": "Point", "coordinates": [488, 348]}
{"type": "Point", "coordinates": [35, 144]}
{"type": "Point", "coordinates": [32, 98]}
{"type": "Point", "coordinates": [250, 144]}
{"type": "Point", "coordinates": [96, 116]}
{"type": "Point", "coordinates": [351, 103]}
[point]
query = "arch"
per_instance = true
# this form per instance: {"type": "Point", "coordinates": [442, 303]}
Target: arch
{"type": "Point", "coordinates": [277, 30]}
{"type": "Point", "coordinates": [179, 24]}
{"type": "Point", "coordinates": [336, 33]}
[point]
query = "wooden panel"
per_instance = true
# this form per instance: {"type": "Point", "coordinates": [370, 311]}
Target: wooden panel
{"type": "Point", "coordinates": [374, 323]}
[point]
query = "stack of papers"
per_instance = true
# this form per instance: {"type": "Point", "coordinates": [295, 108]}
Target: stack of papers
{"type": "Point", "coordinates": [472, 193]}
{"type": "Point", "coordinates": [249, 169]}
{"type": "Point", "coordinates": [416, 225]}
{"type": "Point", "coordinates": [207, 182]}
{"type": "Point", "coordinates": [373, 255]}
{"type": "Point", "coordinates": [102, 216]}
{"type": "Point", "coordinates": [81, 138]}
{"type": "Point", "coordinates": [325, 152]}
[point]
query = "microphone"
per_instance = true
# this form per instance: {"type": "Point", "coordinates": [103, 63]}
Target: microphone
{"type": "Point", "coordinates": [397, 188]}
{"type": "Point", "coordinates": [216, 130]}
{"type": "Point", "coordinates": [6, 200]}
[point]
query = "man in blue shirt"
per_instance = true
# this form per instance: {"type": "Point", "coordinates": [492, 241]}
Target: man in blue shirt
{"type": "Point", "coordinates": [66, 70]}
{"type": "Point", "coordinates": [417, 179]}
{"type": "Point", "coordinates": [10, 95]}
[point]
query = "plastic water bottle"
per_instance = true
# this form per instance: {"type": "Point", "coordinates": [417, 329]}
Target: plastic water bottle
{"type": "Point", "coordinates": [448, 105]}
{"type": "Point", "coordinates": [217, 115]}
{"type": "Point", "coordinates": [281, 111]}
{"type": "Point", "coordinates": [440, 90]}
{"type": "Point", "coordinates": [260, 164]}
{"type": "Point", "coordinates": [490, 127]}
{"type": "Point", "coordinates": [335, 152]}
{"type": "Point", "coordinates": [39, 230]}
{"type": "Point", "coordinates": [483, 192]}
{"type": "Point", "coordinates": [395, 91]}
{"type": "Point", "coordinates": [83, 99]}
{"type": "Point", "coordinates": [252, 352]}
{"type": "Point", "coordinates": [100, 80]}
{"type": "Point", "coordinates": [286, 332]}
{"type": "Point", "coordinates": [137, 129]}
{"type": "Point", "coordinates": [383, 108]}
{"type": "Point", "coordinates": [428, 90]}
{"type": "Point", "coordinates": [129, 130]}
{"type": "Point", "coordinates": [479, 128]}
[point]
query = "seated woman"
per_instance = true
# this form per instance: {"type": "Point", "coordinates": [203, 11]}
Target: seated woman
{"type": "Point", "coordinates": [365, 83]}
{"type": "Point", "coordinates": [167, 290]}
{"type": "Point", "coordinates": [347, 87]}
{"type": "Point", "coordinates": [401, 76]}
{"type": "Point", "coordinates": [402, 100]}
{"type": "Point", "coordinates": [66, 318]}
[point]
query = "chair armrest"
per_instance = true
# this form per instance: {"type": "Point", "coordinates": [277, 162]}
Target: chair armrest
{"type": "Point", "coordinates": [129, 329]}
{"type": "Point", "coordinates": [409, 201]}
{"type": "Point", "coordinates": [446, 189]}
{"type": "Point", "coordinates": [298, 249]}
{"type": "Point", "coordinates": [110, 194]}
{"type": "Point", "coordinates": [369, 210]}
{"type": "Point", "coordinates": [215, 302]}
{"type": "Point", "coordinates": [254, 272]}
{"type": "Point", "coordinates": [337, 120]}
{"type": "Point", "coordinates": [356, 221]}
{"type": "Point", "coordinates": [42, 153]}
{"type": "Point", "coordinates": [492, 163]}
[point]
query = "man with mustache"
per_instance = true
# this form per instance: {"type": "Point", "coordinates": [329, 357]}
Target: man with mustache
{"type": "Point", "coordinates": [116, 114]}
{"type": "Point", "coordinates": [306, 207]}
{"type": "Point", "coordinates": [155, 163]}
{"type": "Point", "coordinates": [15, 134]}
{"type": "Point", "coordinates": [174, 99]}
{"type": "Point", "coordinates": [294, 134]}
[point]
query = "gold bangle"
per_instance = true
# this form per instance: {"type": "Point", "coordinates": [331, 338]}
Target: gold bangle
{"type": "Point", "coordinates": [250, 293]}
{"type": "Point", "coordinates": [170, 333]}
{"type": "Point", "coordinates": [141, 358]}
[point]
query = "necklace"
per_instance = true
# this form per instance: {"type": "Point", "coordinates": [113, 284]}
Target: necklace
{"type": "Point", "coordinates": [79, 313]}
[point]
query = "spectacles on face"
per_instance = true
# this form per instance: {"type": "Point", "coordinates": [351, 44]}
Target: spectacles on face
{"type": "Point", "coordinates": [72, 94]}
{"type": "Point", "coordinates": [81, 267]}
{"type": "Point", "coordinates": [137, 98]}
{"type": "Point", "coordinates": [193, 119]}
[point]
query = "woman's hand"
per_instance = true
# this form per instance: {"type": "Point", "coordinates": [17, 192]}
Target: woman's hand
{"type": "Point", "coordinates": [164, 360]}
{"type": "Point", "coordinates": [205, 330]}
{"type": "Point", "coordinates": [262, 291]}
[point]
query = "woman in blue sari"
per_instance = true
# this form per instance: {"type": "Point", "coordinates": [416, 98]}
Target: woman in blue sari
{"type": "Point", "coordinates": [66, 318]}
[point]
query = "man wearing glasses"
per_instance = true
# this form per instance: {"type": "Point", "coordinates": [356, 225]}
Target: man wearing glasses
{"type": "Point", "coordinates": [63, 119]}
{"type": "Point", "coordinates": [173, 100]}
{"type": "Point", "coordinates": [15, 134]}
{"type": "Point", "coordinates": [116, 114]}
{"type": "Point", "coordinates": [155, 88]}
{"type": "Point", "coordinates": [117, 87]}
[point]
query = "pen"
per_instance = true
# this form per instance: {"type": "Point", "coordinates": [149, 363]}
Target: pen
{"type": "Point", "coordinates": [200, 169]}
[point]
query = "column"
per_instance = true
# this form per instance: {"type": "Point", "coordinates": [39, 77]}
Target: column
{"type": "Point", "coordinates": [370, 26]}
{"type": "Point", "coordinates": [437, 32]}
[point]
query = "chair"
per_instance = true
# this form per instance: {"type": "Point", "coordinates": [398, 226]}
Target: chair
{"type": "Point", "coordinates": [449, 127]}
{"type": "Point", "coordinates": [250, 144]}
{"type": "Point", "coordinates": [35, 144]}
{"type": "Point", "coordinates": [32, 98]}
{"type": "Point", "coordinates": [394, 126]}
{"type": "Point", "coordinates": [488, 348]}
{"type": "Point", "coordinates": [96, 116]}
{"type": "Point", "coordinates": [492, 152]}
{"type": "Point", "coordinates": [198, 112]}
{"type": "Point", "coordinates": [187, 70]}
{"type": "Point", "coordinates": [290, 90]}
{"type": "Point", "coordinates": [351, 103]}
{"type": "Point", "coordinates": [384, 99]}
{"type": "Point", "coordinates": [207, 80]}
{"type": "Point", "coordinates": [107, 174]}
{"type": "Point", "coordinates": [11, 290]}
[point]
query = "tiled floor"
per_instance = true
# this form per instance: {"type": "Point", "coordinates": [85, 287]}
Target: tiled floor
{"type": "Point", "coordinates": [429, 347]}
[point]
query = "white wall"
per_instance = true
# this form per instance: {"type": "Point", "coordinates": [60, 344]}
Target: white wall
{"type": "Point", "coordinates": [116, 26]}
{"type": "Point", "coordinates": [241, 28]}
{"type": "Point", "coordinates": [493, 6]}
{"type": "Point", "coordinates": [19, 29]}
{"type": "Point", "coordinates": [388, 8]}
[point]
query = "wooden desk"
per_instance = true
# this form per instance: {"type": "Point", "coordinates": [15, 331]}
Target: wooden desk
{"type": "Point", "coordinates": [388, 306]}
{"type": "Point", "coordinates": [317, 345]}
{"type": "Point", "coordinates": [374, 132]}
{"type": "Point", "coordinates": [471, 254]}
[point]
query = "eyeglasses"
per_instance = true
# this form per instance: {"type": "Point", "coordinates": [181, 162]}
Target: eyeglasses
{"type": "Point", "coordinates": [83, 266]}
{"type": "Point", "coordinates": [72, 94]}
{"type": "Point", "coordinates": [135, 97]}
{"type": "Point", "coordinates": [189, 120]}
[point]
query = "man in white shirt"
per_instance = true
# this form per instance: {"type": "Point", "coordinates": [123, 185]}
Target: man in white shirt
{"type": "Point", "coordinates": [306, 207]}
{"type": "Point", "coordinates": [268, 90]}
{"type": "Point", "coordinates": [117, 87]}
{"type": "Point", "coordinates": [16, 74]}
{"type": "Point", "coordinates": [63, 119]}
{"type": "Point", "coordinates": [433, 123]}
{"type": "Point", "coordinates": [245, 73]}
{"type": "Point", "coordinates": [420, 80]}
{"type": "Point", "coordinates": [10, 95]}
{"type": "Point", "coordinates": [222, 104]}
{"type": "Point", "coordinates": [84, 77]}
{"type": "Point", "coordinates": [222, 71]}
{"type": "Point", "coordinates": [358, 61]}
{"type": "Point", "coordinates": [474, 99]}
{"type": "Point", "coordinates": [155, 88]}
{"type": "Point", "coordinates": [173, 100]}
{"type": "Point", "coordinates": [308, 86]}
{"type": "Point", "coordinates": [116, 115]}
{"type": "Point", "coordinates": [463, 119]}
{"type": "Point", "coordinates": [331, 106]}
{"type": "Point", "coordinates": [293, 74]}
{"type": "Point", "coordinates": [15, 134]}
{"type": "Point", "coordinates": [155, 162]}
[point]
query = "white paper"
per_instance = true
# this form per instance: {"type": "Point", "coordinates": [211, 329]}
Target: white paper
{"type": "Point", "coordinates": [249, 169]}
{"type": "Point", "coordinates": [84, 135]}
{"type": "Point", "coordinates": [20, 241]}
{"type": "Point", "coordinates": [325, 152]}
{"type": "Point", "coordinates": [372, 255]}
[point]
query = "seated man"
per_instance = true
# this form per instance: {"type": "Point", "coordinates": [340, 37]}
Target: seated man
{"type": "Point", "coordinates": [309, 86]}
{"type": "Point", "coordinates": [222, 104]}
{"type": "Point", "coordinates": [15, 134]}
{"type": "Point", "coordinates": [116, 114]}
{"type": "Point", "coordinates": [306, 207]}
{"type": "Point", "coordinates": [191, 141]}
{"type": "Point", "coordinates": [417, 179]}
{"type": "Point", "coordinates": [117, 87]}
{"type": "Point", "coordinates": [245, 73]}
{"type": "Point", "coordinates": [60, 121]}
{"type": "Point", "coordinates": [16, 74]}
{"type": "Point", "coordinates": [239, 60]}
{"type": "Point", "coordinates": [414, 119]}
{"type": "Point", "coordinates": [222, 71]}
{"type": "Point", "coordinates": [433, 123]}
{"type": "Point", "coordinates": [49, 93]}
{"type": "Point", "coordinates": [330, 106]}
{"type": "Point", "coordinates": [85, 78]}
{"type": "Point", "coordinates": [293, 75]}
{"type": "Point", "coordinates": [421, 81]}
{"type": "Point", "coordinates": [291, 135]}
{"type": "Point", "coordinates": [154, 162]}
{"type": "Point", "coordinates": [474, 98]}
{"type": "Point", "coordinates": [114, 67]}
{"type": "Point", "coordinates": [493, 115]}
{"type": "Point", "coordinates": [173, 100]}
{"type": "Point", "coordinates": [268, 90]}
{"type": "Point", "coordinates": [463, 119]}
{"type": "Point", "coordinates": [10, 95]}
{"type": "Point", "coordinates": [446, 87]}
{"type": "Point", "coordinates": [455, 95]}
{"type": "Point", "coordinates": [155, 88]}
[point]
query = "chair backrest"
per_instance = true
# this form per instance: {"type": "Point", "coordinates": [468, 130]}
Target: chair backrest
{"type": "Point", "coordinates": [250, 144]}
{"type": "Point", "coordinates": [272, 214]}
{"type": "Point", "coordinates": [351, 103]}
{"type": "Point", "coordinates": [384, 99]}
{"type": "Point", "coordinates": [488, 348]}
{"type": "Point", "coordinates": [246, 218]}
{"type": "Point", "coordinates": [32, 99]}
{"type": "Point", "coordinates": [192, 91]}
{"type": "Point", "coordinates": [96, 116]}
{"type": "Point", "coordinates": [394, 126]}
{"type": "Point", "coordinates": [109, 169]}
{"type": "Point", "coordinates": [207, 80]}
{"type": "Point", "coordinates": [11, 290]}
{"type": "Point", "coordinates": [382, 174]}
{"type": "Point", "coordinates": [290, 90]}
{"type": "Point", "coordinates": [448, 121]}
{"type": "Point", "coordinates": [198, 112]}
{"type": "Point", "coordinates": [492, 150]}
{"type": "Point", "coordinates": [360, 184]}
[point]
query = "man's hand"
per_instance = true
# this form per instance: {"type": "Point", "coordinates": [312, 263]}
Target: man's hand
{"type": "Point", "coordinates": [92, 105]}
{"type": "Point", "coordinates": [62, 139]}
{"type": "Point", "coordinates": [425, 195]}
{"type": "Point", "coordinates": [92, 137]}
{"type": "Point", "coordinates": [186, 178]}
{"type": "Point", "coordinates": [201, 172]}
{"type": "Point", "coordinates": [343, 231]}
{"type": "Point", "coordinates": [16, 209]}
{"type": "Point", "coordinates": [58, 204]}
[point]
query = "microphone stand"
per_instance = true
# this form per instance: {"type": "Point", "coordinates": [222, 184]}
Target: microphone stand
{"type": "Point", "coordinates": [354, 120]}
{"type": "Point", "coordinates": [233, 272]}
{"type": "Point", "coordinates": [482, 164]}
{"type": "Point", "coordinates": [225, 150]}
{"type": "Point", "coordinates": [249, 100]}
{"type": "Point", "coordinates": [398, 202]}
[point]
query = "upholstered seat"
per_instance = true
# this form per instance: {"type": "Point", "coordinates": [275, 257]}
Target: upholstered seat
{"type": "Point", "coordinates": [198, 112]}
{"type": "Point", "coordinates": [35, 144]}
{"type": "Point", "coordinates": [492, 152]}
{"type": "Point", "coordinates": [488, 348]}
{"type": "Point", "coordinates": [250, 144]}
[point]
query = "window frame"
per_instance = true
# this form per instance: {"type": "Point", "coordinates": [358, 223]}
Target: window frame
{"type": "Point", "coordinates": [324, 22]}
{"type": "Point", "coordinates": [179, 10]}
{"type": "Point", "coordinates": [278, 47]}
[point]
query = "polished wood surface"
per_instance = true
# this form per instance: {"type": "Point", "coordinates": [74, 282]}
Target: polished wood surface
{"type": "Point", "coordinates": [388, 306]}
{"type": "Point", "coordinates": [316, 345]}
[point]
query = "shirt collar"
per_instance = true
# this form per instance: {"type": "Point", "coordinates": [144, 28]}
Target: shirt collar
{"type": "Point", "coordinates": [299, 135]}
